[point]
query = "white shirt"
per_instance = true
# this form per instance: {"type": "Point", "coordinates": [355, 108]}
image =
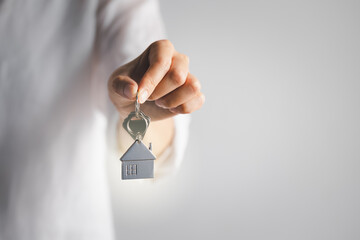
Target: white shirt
{"type": "Point", "coordinates": [55, 115]}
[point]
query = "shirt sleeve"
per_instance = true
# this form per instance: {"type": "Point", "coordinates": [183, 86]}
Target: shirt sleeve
{"type": "Point", "coordinates": [125, 30]}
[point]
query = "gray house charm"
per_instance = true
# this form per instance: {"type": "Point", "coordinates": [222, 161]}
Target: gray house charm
{"type": "Point", "coordinates": [137, 162]}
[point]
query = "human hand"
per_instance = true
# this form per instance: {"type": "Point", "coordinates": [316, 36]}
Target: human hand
{"type": "Point", "coordinates": [161, 75]}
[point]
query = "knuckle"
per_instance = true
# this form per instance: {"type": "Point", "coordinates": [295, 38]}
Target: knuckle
{"type": "Point", "coordinates": [162, 43]}
{"type": "Point", "coordinates": [194, 86]}
{"type": "Point", "coordinates": [185, 58]}
{"type": "Point", "coordinates": [165, 42]}
{"type": "Point", "coordinates": [177, 76]}
{"type": "Point", "coordinates": [164, 63]}
{"type": "Point", "coordinates": [202, 99]}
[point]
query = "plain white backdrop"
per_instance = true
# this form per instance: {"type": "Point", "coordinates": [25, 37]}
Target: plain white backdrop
{"type": "Point", "coordinates": [275, 151]}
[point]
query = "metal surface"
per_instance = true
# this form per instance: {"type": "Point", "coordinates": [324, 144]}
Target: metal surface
{"type": "Point", "coordinates": [137, 122]}
{"type": "Point", "coordinates": [135, 125]}
{"type": "Point", "coordinates": [137, 162]}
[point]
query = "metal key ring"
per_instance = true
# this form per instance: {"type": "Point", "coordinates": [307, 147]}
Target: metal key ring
{"type": "Point", "coordinates": [137, 104]}
{"type": "Point", "coordinates": [138, 129]}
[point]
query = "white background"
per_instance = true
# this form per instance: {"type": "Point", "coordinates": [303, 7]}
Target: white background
{"type": "Point", "coordinates": [275, 151]}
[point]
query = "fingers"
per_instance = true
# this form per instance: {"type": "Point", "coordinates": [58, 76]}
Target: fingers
{"type": "Point", "coordinates": [194, 104]}
{"type": "Point", "coordinates": [160, 58]}
{"type": "Point", "coordinates": [184, 99]}
{"type": "Point", "coordinates": [160, 74]}
{"type": "Point", "coordinates": [122, 88]}
{"type": "Point", "coordinates": [173, 79]}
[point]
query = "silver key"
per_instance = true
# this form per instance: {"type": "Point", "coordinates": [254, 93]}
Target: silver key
{"type": "Point", "coordinates": [138, 160]}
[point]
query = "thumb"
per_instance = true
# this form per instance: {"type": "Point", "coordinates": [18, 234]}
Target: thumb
{"type": "Point", "coordinates": [122, 88]}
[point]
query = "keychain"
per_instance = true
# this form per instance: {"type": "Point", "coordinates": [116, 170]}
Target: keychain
{"type": "Point", "coordinates": [138, 160]}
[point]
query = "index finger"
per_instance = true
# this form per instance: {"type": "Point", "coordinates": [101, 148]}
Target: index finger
{"type": "Point", "coordinates": [160, 58]}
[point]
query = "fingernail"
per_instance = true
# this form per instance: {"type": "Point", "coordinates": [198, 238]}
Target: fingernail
{"type": "Point", "coordinates": [173, 110]}
{"type": "Point", "coordinates": [159, 103]}
{"type": "Point", "coordinates": [128, 91]}
{"type": "Point", "coordinates": [143, 96]}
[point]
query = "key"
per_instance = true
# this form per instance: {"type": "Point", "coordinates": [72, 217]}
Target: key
{"type": "Point", "coordinates": [138, 160]}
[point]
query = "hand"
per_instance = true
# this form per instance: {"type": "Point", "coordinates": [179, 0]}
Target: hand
{"type": "Point", "coordinates": [161, 75]}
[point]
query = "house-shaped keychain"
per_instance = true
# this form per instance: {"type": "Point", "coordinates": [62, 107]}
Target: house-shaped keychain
{"type": "Point", "coordinates": [138, 162]}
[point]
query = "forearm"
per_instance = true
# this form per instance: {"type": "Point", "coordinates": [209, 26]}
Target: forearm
{"type": "Point", "coordinates": [160, 134]}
